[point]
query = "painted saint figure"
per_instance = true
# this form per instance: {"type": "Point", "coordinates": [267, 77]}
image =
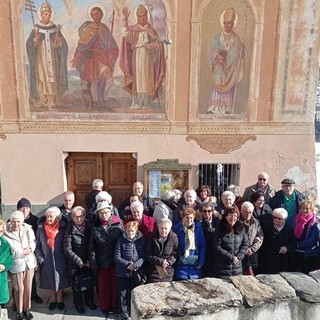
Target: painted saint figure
{"type": "Point", "coordinates": [95, 57]}
{"type": "Point", "coordinates": [47, 52]}
{"type": "Point", "coordinates": [142, 59]}
{"type": "Point", "coordinates": [227, 59]}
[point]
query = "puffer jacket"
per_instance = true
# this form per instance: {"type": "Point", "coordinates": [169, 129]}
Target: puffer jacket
{"type": "Point", "coordinates": [162, 210]}
{"type": "Point", "coordinates": [157, 252]}
{"type": "Point", "coordinates": [76, 246]}
{"type": "Point", "coordinates": [28, 240]}
{"type": "Point", "coordinates": [102, 243]}
{"type": "Point", "coordinates": [127, 250]}
{"type": "Point", "coordinates": [190, 271]}
{"type": "Point", "coordinates": [230, 242]}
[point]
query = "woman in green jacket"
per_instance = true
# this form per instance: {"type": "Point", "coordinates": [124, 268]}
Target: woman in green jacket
{"type": "Point", "coordinates": [6, 261]}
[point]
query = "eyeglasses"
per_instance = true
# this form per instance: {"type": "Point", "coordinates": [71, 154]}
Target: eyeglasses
{"type": "Point", "coordinates": [206, 211]}
{"type": "Point", "coordinates": [277, 218]}
{"type": "Point", "coordinates": [264, 179]}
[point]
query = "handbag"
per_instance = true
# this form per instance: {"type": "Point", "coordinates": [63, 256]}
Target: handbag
{"type": "Point", "coordinates": [139, 277]}
{"type": "Point", "coordinates": [83, 280]}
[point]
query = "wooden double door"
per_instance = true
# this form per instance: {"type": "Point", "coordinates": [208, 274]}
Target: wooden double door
{"type": "Point", "coordinates": [117, 170]}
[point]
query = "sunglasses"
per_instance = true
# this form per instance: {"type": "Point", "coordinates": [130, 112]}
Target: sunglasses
{"type": "Point", "coordinates": [206, 211]}
{"type": "Point", "coordinates": [277, 218]}
{"type": "Point", "coordinates": [263, 179]}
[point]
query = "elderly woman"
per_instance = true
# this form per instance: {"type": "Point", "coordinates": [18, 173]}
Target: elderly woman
{"type": "Point", "coordinates": [210, 224]}
{"type": "Point", "coordinates": [106, 230]}
{"type": "Point", "coordinates": [255, 236]}
{"type": "Point", "coordinates": [192, 246]}
{"type": "Point", "coordinates": [262, 210]}
{"type": "Point", "coordinates": [165, 207]}
{"type": "Point", "coordinates": [146, 224]}
{"type": "Point", "coordinates": [278, 244]}
{"type": "Point", "coordinates": [22, 240]}
{"type": "Point", "coordinates": [203, 193]}
{"type": "Point", "coordinates": [129, 256]}
{"type": "Point", "coordinates": [189, 200]}
{"type": "Point", "coordinates": [49, 252]}
{"type": "Point", "coordinates": [6, 262]}
{"type": "Point", "coordinates": [230, 244]}
{"type": "Point", "coordinates": [306, 231]}
{"type": "Point", "coordinates": [227, 201]}
{"type": "Point", "coordinates": [101, 197]}
{"type": "Point", "coordinates": [76, 249]}
{"type": "Point", "coordinates": [162, 252]}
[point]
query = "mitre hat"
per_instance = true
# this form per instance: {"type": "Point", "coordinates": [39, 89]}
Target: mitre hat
{"type": "Point", "coordinates": [141, 10]}
{"type": "Point", "coordinates": [229, 15]}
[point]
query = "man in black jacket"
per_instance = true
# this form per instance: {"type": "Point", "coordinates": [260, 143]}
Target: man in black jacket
{"type": "Point", "coordinates": [24, 205]}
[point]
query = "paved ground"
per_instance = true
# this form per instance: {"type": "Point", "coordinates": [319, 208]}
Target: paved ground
{"type": "Point", "coordinates": [41, 311]}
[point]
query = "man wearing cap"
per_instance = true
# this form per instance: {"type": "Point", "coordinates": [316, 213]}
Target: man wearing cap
{"type": "Point", "coordinates": [288, 197]}
{"type": "Point", "coordinates": [263, 186]}
{"type": "Point", "coordinates": [24, 205]}
{"type": "Point", "coordinates": [227, 61]}
{"type": "Point", "coordinates": [142, 59]}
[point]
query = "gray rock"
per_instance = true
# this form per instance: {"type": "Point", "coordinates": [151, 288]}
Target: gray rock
{"type": "Point", "coordinates": [182, 298]}
{"type": "Point", "coordinates": [307, 288]}
{"type": "Point", "coordinates": [315, 275]}
{"type": "Point", "coordinates": [278, 284]}
{"type": "Point", "coordinates": [254, 292]}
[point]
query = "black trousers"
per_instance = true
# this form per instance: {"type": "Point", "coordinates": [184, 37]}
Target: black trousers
{"type": "Point", "coordinates": [81, 297]}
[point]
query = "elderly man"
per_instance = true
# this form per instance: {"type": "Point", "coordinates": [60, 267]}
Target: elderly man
{"type": "Point", "coordinates": [263, 186]}
{"type": "Point", "coordinates": [288, 197]}
{"type": "Point", "coordinates": [255, 235]}
{"type": "Point", "coordinates": [68, 202]}
{"type": "Point", "coordinates": [146, 224]}
{"type": "Point", "coordinates": [148, 204]}
{"type": "Point", "coordinates": [90, 199]}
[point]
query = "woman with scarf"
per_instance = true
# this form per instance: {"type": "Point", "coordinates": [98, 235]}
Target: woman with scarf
{"type": "Point", "coordinates": [21, 239]}
{"type": "Point", "coordinates": [76, 249]}
{"type": "Point", "coordinates": [6, 262]}
{"type": "Point", "coordinates": [49, 252]}
{"type": "Point", "coordinates": [306, 230]}
{"type": "Point", "coordinates": [106, 230]}
{"type": "Point", "coordinates": [192, 246]}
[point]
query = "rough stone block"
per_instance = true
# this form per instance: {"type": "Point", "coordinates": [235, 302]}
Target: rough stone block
{"type": "Point", "coordinates": [182, 298]}
{"type": "Point", "coordinates": [307, 288]}
{"type": "Point", "coordinates": [254, 292]}
{"type": "Point", "coordinates": [278, 284]}
{"type": "Point", "coordinates": [315, 275]}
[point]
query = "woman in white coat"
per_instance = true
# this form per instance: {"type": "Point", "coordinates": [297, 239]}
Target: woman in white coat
{"type": "Point", "coordinates": [22, 240]}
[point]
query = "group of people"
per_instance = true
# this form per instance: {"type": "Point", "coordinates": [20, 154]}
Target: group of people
{"type": "Point", "coordinates": [180, 237]}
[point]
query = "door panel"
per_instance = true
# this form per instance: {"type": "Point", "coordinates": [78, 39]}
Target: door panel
{"type": "Point", "coordinates": [120, 171]}
{"type": "Point", "coordinates": [117, 170]}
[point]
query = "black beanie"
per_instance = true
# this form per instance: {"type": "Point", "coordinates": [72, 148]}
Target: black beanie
{"type": "Point", "coordinates": [23, 202]}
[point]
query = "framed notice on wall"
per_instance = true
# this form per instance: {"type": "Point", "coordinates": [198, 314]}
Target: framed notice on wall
{"type": "Point", "coordinates": [162, 175]}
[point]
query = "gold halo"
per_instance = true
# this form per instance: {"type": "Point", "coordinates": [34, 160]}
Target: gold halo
{"type": "Point", "coordinates": [39, 14]}
{"type": "Point", "coordinates": [99, 5]}
{"type": "Point", "coordinates": [221, 19]}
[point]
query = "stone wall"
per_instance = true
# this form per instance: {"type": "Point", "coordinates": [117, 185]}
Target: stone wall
{"type": "Point", "coordinates": [286, 296]}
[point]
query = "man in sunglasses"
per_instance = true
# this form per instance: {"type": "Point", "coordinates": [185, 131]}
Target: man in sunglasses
{"type": "Point", "coordinates": [263, 186]}
{"type": "Point", "coordinates": [210, 224]}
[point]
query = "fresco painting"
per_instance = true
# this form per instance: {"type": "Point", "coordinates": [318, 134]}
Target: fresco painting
{"type": "Point", "coordinates": [105, 57]}
{"type": "Point", "coordinates": [227, 42]}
